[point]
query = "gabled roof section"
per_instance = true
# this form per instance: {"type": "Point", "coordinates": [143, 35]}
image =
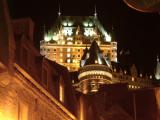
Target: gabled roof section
{"type": "Point", "coordinates": [82, 23]}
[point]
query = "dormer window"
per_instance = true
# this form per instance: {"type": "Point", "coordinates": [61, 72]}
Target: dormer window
{"type": "Point", "coordinates": [68, 31]}
{"type": "Point", "coordinates": [88, 31]}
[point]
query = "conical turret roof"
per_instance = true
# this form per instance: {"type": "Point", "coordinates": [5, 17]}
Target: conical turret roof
{"type": "Point", "coordinates": [95, 55]}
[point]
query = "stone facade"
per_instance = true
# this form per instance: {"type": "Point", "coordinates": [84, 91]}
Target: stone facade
{"type": "Point", "coordinates": [24, 100]}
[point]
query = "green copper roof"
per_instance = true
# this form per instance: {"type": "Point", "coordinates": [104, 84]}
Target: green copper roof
{"type": "Point", "coordinates": [86, 26]}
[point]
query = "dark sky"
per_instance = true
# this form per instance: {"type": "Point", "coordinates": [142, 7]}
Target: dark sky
{"type": "Point", "coordinates": [135, 31]}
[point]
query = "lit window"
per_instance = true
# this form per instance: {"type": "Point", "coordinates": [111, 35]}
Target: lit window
{"type": "Point", "coordinates": [96, 61]}
{"type": "Point", "coordinates": [70, 23]}
{"type": "Point", "coordinates": [129, 86]}
{"type": "Point", "coordinates": [90, 24]}
{"type": "Point", "coordinates": [69, 50]}
{"type": "Point", "coordinates": [85, 24]}
{"type": "Point", "coordinates": [70, 38]}
{"type": "Point", "coordinates": [65, 23]}
{"type": "Point", "coordinates": [70, 43]}
{"type": "Point", "coordinates": [132, 78]}
{"type": "Point", "coordinates": [72, 81]}
{"type": "Point", "coordinates": [68, 60]}
{"type": "Point", "coordinates": [63, 42]}
{"type": "Point", "coordinates": [150, 76]}
{"type": "Point", "coordinates": [68, 55]}
{"type": "Point", "coordinates": [68, 31]}
{"type": "Point", "coordinates": [74, 60]}
{"type": "Point", "coordinates": [61, 60]}
{"type": "Point", "coordinates": [61, 54]}
{"type": "Point", "coordinates": [88, 31]}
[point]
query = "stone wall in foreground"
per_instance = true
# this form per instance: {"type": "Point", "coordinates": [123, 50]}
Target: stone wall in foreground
{"type": "Point", "coordinates": [21, 98]}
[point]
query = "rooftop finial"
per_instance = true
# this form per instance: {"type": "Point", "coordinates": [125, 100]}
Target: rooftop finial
{"type": "Point", "coordinates": [59, 10]}
{"type": "Point", "coordinates": [95, 11]}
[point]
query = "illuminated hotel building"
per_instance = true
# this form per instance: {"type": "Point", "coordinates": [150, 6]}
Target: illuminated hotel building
{"type": "Point", "coordinates": [70, 35]}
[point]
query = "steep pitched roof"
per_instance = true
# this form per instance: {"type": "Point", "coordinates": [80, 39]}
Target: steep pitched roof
{"type": "Point", "coordinates": [80, 22]}
{"type": "Point", "coordinates": [95, 55]}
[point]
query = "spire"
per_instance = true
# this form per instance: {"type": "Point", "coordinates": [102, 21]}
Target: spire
{"type": "Point", "coordinates": [157, 73]}
{"type": "Point", "coordinates": [113, 34]}
{"type": "Point", "coordinates": [95, 11]}
{"type": "Point", "coordinates": [59, 10]}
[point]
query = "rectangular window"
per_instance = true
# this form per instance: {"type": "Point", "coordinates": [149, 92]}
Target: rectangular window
{"type": "Point", "coordinates": [68, 55]}
{"type": "Point", "coordinates": [68, 60]}
{"type": "Point", "coordinates": [69, 50]}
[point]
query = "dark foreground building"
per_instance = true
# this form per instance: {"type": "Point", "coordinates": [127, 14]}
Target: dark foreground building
{"type": "Point", "coordinates": [35, 88]}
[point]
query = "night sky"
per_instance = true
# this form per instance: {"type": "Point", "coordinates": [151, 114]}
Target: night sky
{"type": "Point", "coordinates": [134, 31]}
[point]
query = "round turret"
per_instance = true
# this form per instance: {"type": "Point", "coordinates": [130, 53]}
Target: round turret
{"type": "Point", "coordinates": [96, 70]}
